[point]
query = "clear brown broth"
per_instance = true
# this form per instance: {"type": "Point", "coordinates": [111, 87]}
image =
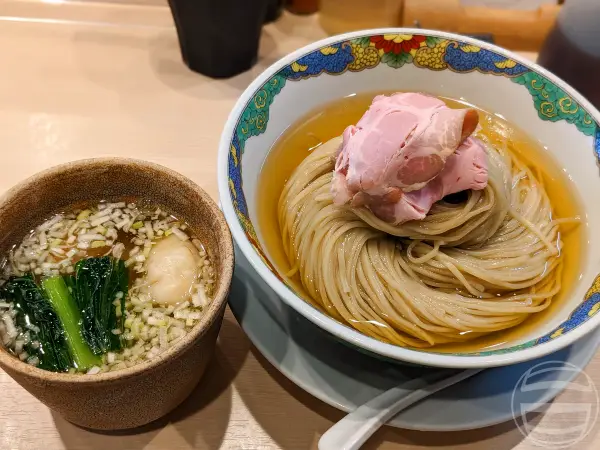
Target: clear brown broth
{"type": "Point", "coordinates": [330, 121]}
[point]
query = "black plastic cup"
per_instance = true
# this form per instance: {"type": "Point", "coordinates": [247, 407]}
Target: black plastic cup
{"type": "Point", "coordinates": [219, 38]}
{"type": "Point", "coordinates": [274, 10]}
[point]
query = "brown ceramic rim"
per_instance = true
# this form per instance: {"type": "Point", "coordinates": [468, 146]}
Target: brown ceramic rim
{"type": "Point", "coordinates": [196, 333]}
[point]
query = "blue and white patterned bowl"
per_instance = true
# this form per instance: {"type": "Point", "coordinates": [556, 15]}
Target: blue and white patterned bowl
{"type": "Point", "coordinates": [417, 60]}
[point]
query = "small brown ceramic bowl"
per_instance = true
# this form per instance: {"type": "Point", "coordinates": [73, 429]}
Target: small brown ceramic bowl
{"type": "Point", "coordinates": [138, 395]}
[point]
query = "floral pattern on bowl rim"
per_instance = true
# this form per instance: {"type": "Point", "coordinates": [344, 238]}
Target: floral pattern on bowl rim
{"type": "Point", "coordinates": [427, 52]}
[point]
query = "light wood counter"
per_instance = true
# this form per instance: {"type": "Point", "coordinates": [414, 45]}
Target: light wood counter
{"type": "Point", "coordinates": [89, 79]}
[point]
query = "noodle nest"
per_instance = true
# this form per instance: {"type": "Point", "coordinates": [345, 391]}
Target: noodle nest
{"type": "Point", "coordinates": [465, 270]}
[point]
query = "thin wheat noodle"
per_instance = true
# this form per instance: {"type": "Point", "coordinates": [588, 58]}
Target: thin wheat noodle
{"type": "Point", "coordinates": [465, 270]}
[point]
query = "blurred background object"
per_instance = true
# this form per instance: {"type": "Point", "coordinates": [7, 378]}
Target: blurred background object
{"type": "Point", "coordinates": [302, 6]}
{"type": "Point", "coordinates": [572, 50]}
{"type": "Point", "coordinates": [509, 4]}
{"type": "Point", "coordinates": [341, 16]}
{"type": "Point", "coordinates": [514, 24]}
{"type": "Point", "coordinates": [219, 38]}
{"type": "Point", "coordinates": [521, 28]}
{"type": "Point", "coordinates": [274, 10]}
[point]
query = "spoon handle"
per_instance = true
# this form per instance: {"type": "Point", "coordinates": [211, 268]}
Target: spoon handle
{"type": "Point", "coordinates": [354, 429]}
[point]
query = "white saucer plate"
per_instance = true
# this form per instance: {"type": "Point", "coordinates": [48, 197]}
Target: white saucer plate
{"type": "Point", "coordinates": [345, 378]}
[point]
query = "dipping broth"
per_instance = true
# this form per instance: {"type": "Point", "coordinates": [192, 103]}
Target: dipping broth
{"type": "Point", "coordinates": [102, 287]}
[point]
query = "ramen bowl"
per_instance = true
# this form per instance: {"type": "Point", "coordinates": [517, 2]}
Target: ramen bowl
{"type": "Point", "coordinates": [139, 394]}
{"type": "Point", "coordinates": [551, 112]}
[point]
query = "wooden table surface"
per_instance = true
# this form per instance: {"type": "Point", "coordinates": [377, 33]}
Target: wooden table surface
{"type": "Point", "coordinates": [91, 79]}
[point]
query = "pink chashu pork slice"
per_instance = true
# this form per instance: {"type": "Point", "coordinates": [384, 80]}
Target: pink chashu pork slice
{"type": "Point", "coordinates": [465, 169]}
{"type": "Point", "coordinates": [391, 158]}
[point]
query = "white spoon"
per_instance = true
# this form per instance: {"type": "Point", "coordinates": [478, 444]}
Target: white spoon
{"type": "Point", "coordinates": [353, 430]}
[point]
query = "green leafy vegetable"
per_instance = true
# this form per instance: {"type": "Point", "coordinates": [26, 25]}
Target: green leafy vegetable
{"type": "Point", "coordinates": [99, 287]}
{"type": "Point", "coordinates": [34, 312]}
{"type": "Point", "coordinates": [67, 310]}
{"type": "Point", "coordinates": [72, 318]}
